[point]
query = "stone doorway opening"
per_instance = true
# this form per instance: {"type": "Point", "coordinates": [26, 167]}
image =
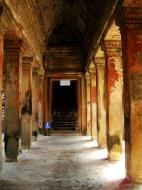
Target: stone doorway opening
{"type": "Point", "coordinates": [64, 106]}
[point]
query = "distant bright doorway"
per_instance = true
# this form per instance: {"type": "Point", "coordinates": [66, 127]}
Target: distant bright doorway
{"type": "Point", "coordinates": [64, 105]}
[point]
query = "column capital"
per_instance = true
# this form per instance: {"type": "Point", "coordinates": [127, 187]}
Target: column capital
{"type": "Point", "coordinates": [41, 76]}
{"type": "Point", "coordinates": [112, 45]}
{"type": "Point", "coordinates": [131, 17]}
{"type": "Point", "coordinates": [92, 68]}
{"type": "Point", "coordinates": [100, 61]}
{"type": "Point", "coordinates": [87, 76]}
{"type": "Point", "coordinates": [11, 45]}
{"type": "Point", "coordinates": [27, 63]}
{"type": "Point", "coordinates": [35, 71]}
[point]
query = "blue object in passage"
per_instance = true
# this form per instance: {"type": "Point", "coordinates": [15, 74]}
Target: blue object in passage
{"type": "Point", "coordinates": [47, 125]}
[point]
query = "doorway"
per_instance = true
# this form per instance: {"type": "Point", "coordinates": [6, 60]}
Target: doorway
{"type": "Point", "coordinates": [64, 105]}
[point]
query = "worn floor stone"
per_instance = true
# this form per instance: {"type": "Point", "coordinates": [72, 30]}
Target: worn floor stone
{"type": "Point", "coordinates": [64, 163]}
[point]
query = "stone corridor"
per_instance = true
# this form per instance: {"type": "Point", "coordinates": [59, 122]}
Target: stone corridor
{"type": "Point", "coordinates": [64, 162]}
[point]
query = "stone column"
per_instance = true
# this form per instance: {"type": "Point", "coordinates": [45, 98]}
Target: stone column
{"type": "Point", "coordinates": [93, 101]}
{"type": "Point", "coordinates": [83, 107]}
{"type": "Point", "coordinates": [26, 132]}
{"type": "Point", "coordinates": [101, 100]}
{"type": "Point", "coordinates": [1, 78]}
{"type": "Point", "coordinates": [114, 99]}
{"type": "Point", "coordinates": [87, 77]}
{"type": "Point", "coordinates": [131, 31]}
{"type": "Point", "coordinates": [40, 102]}
{"type": "Point", "coordinates": [13, 61]}
{"type": "Point", "coordinates": [35, 104]}
{"type": "Point", "coordinates": [79, 103]}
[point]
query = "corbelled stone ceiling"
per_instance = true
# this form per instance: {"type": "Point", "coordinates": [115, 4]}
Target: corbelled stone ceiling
{"type": "Point", "coordinates": [69, 23]}
{"type": "Point", "coordinates": [72, 18]}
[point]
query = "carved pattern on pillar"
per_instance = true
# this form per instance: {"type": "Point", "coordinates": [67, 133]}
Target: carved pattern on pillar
{"type": "Point", "coordinates": [131, 32]}
{"type": "Point", "coordinates": [13, 98]}
{"type": "Point", "coordinates": [114, 99]}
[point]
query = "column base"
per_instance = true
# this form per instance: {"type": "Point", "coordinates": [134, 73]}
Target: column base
{"type": "Point", "coordinates": [34, 138]}
{"type": "Point", "coordinates": [34, 135]}
{"type": "Point", "coordinates": [93, 138]}
{"type": "Point", "coordinates": [102, 146]}
{"type": "Point", "coordinates": [114, 156]}
{"type": "Point", "coordinates": [10, 159]}
{"type": "Point", "coordinates": [26, 147]}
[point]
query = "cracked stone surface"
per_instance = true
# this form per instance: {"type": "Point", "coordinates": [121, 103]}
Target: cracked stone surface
{"type": "Point", "coordinates": [64, 163]}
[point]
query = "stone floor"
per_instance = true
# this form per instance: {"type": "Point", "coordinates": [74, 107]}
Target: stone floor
{"type": "Point", "coordinates": [64, 163]}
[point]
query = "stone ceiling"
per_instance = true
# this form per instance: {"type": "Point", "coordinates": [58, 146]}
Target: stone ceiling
{"type": "Point", "coordinates": [73, 22]}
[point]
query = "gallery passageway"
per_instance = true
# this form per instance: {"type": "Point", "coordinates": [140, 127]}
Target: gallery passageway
{"type": "Point", "coordinates": [70, 75]}
{"type": "Point", "coordinates": [64, 162]}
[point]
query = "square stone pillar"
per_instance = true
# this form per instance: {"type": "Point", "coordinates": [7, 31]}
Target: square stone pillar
{"type": "Point", "coordinates": [131, 32]}
{"type": "Point", "coordinates": [83, 106]}
{"type": "Point", "coordinates": [101, 100]}
{"type": "Point", "coordinates": [13, 61]}
{"type": "Point", "coordinates": [88, 107]}
{"type": "Point", "coordinates": [1, 78]}
{"type": "Point", "coordinates": [40, 101]}
{"type": "Point", "coordinates": [26, 132]}
{"type": "Point", "coordinates": [93, 101]}
{"type": "Point", "coordinates": [46, 104]}
{"type": "Point", "coordinates": [114, 99]}
{"type": "Point", "coordinates": [35, 104]}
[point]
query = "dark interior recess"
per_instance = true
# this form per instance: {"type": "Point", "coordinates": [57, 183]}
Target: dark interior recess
{"type": "Point", "coordinates": [64, 112]}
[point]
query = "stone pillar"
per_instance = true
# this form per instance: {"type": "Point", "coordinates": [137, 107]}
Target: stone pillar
{"type": "Point", "coordinates": [88, 113]}
{"type": "Point", "coordinates": [79, 103]}
{"type": "Point", "coordinates": [40, 102]}
{"type": "Point", "coordinates": [26, 132]}
{"type": "Point", "coordinates": [83, 107]}
{"type": "Point", "coordinates": [131, 31]}
{"type": "Point", "coordinates": [35, 104]}
{"type": "Point", "coordinates": [13, 61]}
{"type": "Point", "coordinates": [93, 101]}
{"type": "Point", "coordinates": [101, 100]}
{"type": "Point", "coordinates": [1, 77]}
{"type": "Point", "coordinates": [114, 99]}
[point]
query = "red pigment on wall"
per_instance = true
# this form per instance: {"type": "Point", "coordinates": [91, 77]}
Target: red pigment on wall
{"type": "Point", "coordinates": [113, 75]}
{"type": "Point", "coordinates": [94, 95]}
